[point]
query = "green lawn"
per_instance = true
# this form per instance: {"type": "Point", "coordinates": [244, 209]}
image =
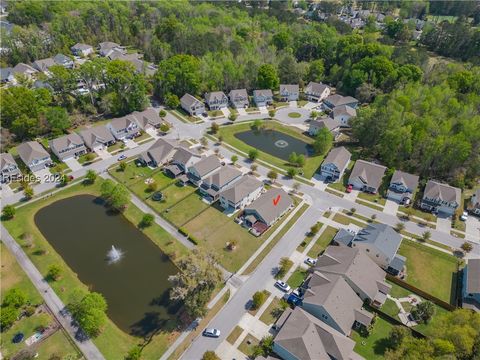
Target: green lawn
{"type": "Point", "coordinates": [297, 277]}
{"type": "Point", "coordinates": [84, 158]}
{"type": "Point", "coordinates": [294, 115]}
{"type": "Point", "coordinates": [430, 270]}
{"type": "Point", "coordinates": [345, 220]}
{"type": "Point", "coordinates": [322, 242]}
{"type": "Point", "coordinates": [418, 213]}
{"type": "Point", "coordinates": [373, 347]}
{"type": "Point", "coordinates": [305, 242]}
{"type": "Point", "coordinates": [186, 209]}
{"type": "Point", "coordinates": [271, 313]}
{"type": "Point", "coordinates": [145, 136]}
{"type": "Point", "coordinates": [132, 173]}
{"type": "Point", "coordinates": [311, 163]}
{"type": "Point", "coordinates": [374, 198]}
{"type": "Point", "coordinates": [115, 147]}
{"type": "Point", "coordinates": [369, 204]}
{"type": "Point", "coordinates": [172, 195]}
{"type": "Point", "coordinates": [233, 336]}
{"type": "Point", "coordinates": [248, 344]}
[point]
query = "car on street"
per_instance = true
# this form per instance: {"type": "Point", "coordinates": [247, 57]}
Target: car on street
{"type": "Point", "coordinates": [310, 261]}
{"type": "Point", "coordinates": [211, 332]}
{"type": "Point", "coordinates": [282, 286]}
{"type": "Point", "coordinates": [464, 216]}
{"type": "Point", "coordinates": [122, 157]}
{"type": "Point", "coordinates": [349, 188]}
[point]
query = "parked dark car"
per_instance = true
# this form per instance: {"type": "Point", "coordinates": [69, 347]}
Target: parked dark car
{"type": "Point", "coordinates": [18, 338]}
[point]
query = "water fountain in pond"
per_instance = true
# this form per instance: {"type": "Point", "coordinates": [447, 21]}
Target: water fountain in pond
{"type": "Point", "coordinates": [114, 255]}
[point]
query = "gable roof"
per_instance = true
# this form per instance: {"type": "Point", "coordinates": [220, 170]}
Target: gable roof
{"type": "Point", "coordinates": [326, 122]}
{"type": "Point", "coordinates": [61, 59]}
{"type": "Point", "coordinates": [291, 88]}
{"type": "Point", "coordinates": [123, 122]}
{"type": "Point", "coordinates": [241, 189]}
{"type": "Point", "coordinates": [337, 100]}
{"type": "Point", "coordinates": [64, 142]}
{"type": "Point", "coordinates": [6, 159]}
{"type": "Point", "coordinates": [189, 100]}
{"type": "Point", "coordinates": [22, 68]}
{"type": "Point", "coordinates": [96, 133]}
{"type": "Point", "coordinates": [31, 150]}
{"type": "Point", "coordinates": [369, 173]}
{"type": "Point", "coordinates": [238, 93]}
{"type": "Point", "coordinates": [344, 237]}
{"type": "Point", "coordinates": [224, 176]}
{"type": "Point", "coordinates": [307, 338]}
{"type": "Point", "coordinates": [146, 117]}
{"type": "Point", "coordinates": [263, 93]}
{"type": "Point", "coordinates": [338, 156]}
{"type": "Point", "coordinates": [161, 150]}
{"type": "Point", "coordinates": [264, 204]}
{"type": "Point", "coordinates": [408, 180]}
{"type": "Point", "coordinates": [445, 192]}
{"type": "Point", "coordinates": [215, 95]}
{"type": "Point", "coordinates": [385, 239]}
{"type": "Point", "coordinates": [81, 47]}
{"type": "Point", "coordinates": [473, 276]}
{"type": "Point", "coordinates": [207, 165]}
{"type": "Point", "coordinates": [315, 88]}
{"type": "Point", "coordinates": [183, 155]}
{"type": "Point", "coordinates": [43, 64]}
{"type": "Point", "coordinates": [344, 110]}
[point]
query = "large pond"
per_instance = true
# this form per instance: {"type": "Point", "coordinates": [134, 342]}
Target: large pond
{"type": "Point", "coordinates": [274, 142]}
{"type": "Point", "coordinates": [136, 288]}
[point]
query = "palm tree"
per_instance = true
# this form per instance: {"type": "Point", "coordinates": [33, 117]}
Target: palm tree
{"type": "Point", "coordinates": [426, 236]}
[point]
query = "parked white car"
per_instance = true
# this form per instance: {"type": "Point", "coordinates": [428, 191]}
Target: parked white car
{"type": "Point", "coordinates": [464, 216]}
{"type": "Point", "coordinates": [211, 332]}
{"type": "Point", "coordinates": [282, 286]}
{"type": "Point", "coordinates": [311, 262]}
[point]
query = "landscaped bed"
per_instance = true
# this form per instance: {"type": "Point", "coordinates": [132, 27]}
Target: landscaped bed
{"type": "Point", "coordinates": [294, 115]}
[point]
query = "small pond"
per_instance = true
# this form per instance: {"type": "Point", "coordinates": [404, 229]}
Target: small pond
{"type": "Point", "coordinates": [136, 288]}
{"type": "Point", "coordinates": [274, 142]}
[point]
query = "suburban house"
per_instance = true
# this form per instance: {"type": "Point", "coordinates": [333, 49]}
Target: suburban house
{"type": "Point", "coordinates": [343, 237]}
{"type": "Point", "coordinates": [332, 101]}
{"type": "Point", "coordinates": [43, 65]}
{"type": "Point", "coordinates": [266, 210]}
{"type": "Point", "coordinates": [68, 146]}
{"type": "Point", "coordinates": [220, 180]}
{"type": "Point", "coordinates": [182, 159]}
{"type": "Point", "coordinates": [148, 118]}
{"type": "Point", "coordinates": [97, 137]}
{"type": "Point", "coordinates": [402, 186]}
{"type": "Point", "coordinates": [203, 169]}
{"type": "Point", "coordinates": [263, 97]}
{"type": "Point", "coordinates": [34, 155]}
{"type": "Point", "coordinates": [107, 47]}
{"type": "Point", "coordinates": [324, 122]}
{"type": "Point", "coordinates": [160, 153]}
{"type": "Point", "coordinates": [192, 105]}
{"type": "Point", "coordinates": [316, 92]}
{"type": "Point", "coordinates": [330, 299]}
{"type": "Point", "coordinates": [335, 163]}
{"type": "Point", "coordinates": [216, 100]}
{"type": "Point", "coordinates": [63, 60]}
{"type": "Point", "coordinates": [441, 198]}
{"type": "Point", "coordinates": [343, 114]}
{"type": "Point", "coordinates": [475, 203]}
{"type": "Point", "coordinates": [304, 337]}
{"type": "Point", "coordinates": [125, 127]}
{"type": "Point", "coordinates": [289, 92]}
{"type": "Point", "coordinates": [471, 284]}
{"type": "Point", "coordinates": [241, 193]}
{"type": "Point", "coordinates": [238, 98]}
{"type": "Point", "coordinates": [366, 176]}
{"type": "Point", "coordinates": [8, 74]}
{"type": "Point", "coordinates": [9, 167]}
{"type": "Point", "coordinates": [82, 50]}
{"type": "Point", "coordinates": [365, 277]}
{"type": "Point", "coordinates": [381, 243]}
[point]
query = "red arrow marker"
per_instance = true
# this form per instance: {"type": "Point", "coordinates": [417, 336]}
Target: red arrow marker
{"type": "Point", "coordinates": [275, 201]}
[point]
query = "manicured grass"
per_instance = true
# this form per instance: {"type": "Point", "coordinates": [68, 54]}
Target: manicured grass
{"type": "Point", "coordinates": [327, 189]}
{"type": "Point", "coordinates": [233, 336]}
{"type": "Point", "coordinates": [458, 224]}
{"type": "Point", "coordinates": [115, 147]}
{"type": "Point", "coordinates": [430, 270]}
{"type": "Point", "coordinates": [172, 195]}
{"type": "Point", "coordinates": [311, 163]}
{"type": "Point", "coordinates": [345, 220]}
{"type": "Point", "coordinates": [398, 291]}
{"type": "Point", "coordinates": [58, 344]}
{"type": "Point", "coordinates": [369, 204]}
{"type": "Point", "coordinates": [297, 277]}
{"type": "Point", "coordinates": [322, 242]}
{"type": "Point", "coordinates": [132, 173]}
{"type": "Point", "coordinates": [248, 345]}
{"type": "Point", "coordinates": [84, 158]}
{"type": "Point", "coordinates": [294, 115]}
{"type": "Point", "coordinates": [374, 198]}
{"type": "Point", "coordinates": [390, 308]}
{"type": "Point", "coordinates": [305, 242]}
{"type": "Point", "coordinates": [186, 209]}
{"type": "Point", "coordinates": [140, 188]}
{"type": "Point", "coordinates": [142, 137]}
{"type": "Point", "coordinates": [374, 345]}
{"type": "Point", "coordinates": [269, 316]}
{"type": "Point", "coordinates": [418, 213]}
{"type": "Point", "coordinates": [301, 103]}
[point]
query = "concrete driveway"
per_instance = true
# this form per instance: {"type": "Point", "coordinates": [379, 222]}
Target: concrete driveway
{"type": "Point", "coordinates": [444, 224]}
{"type": "Point", "coordinates": [263, 109]}
{"type": "Point", "coordinates": [391, 207]}
{"type": "Point", "coordinates": [226, 112]}
{"type": "Point", "coordinates": [242, 112]}
{"type": "Point", "coordinates": [311, 105]}
{"type": "Point", "coordinates": [473, 228]}
{"type": "Point", "coordinates": [152, 132]}
{"type": "Point", "coordinates": [44, 175]}
{"type": "Point", "coordinates": [130, 144]}
{"type": "Point", "coordinates": [103, 153]}
{"type": "Point", "coordinates": [73, 164]}
{"type": "Point", "coordinates": [293, 104]}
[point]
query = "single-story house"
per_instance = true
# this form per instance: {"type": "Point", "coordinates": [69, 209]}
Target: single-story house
{"type": "Point", "coordinates": [220, 180]}
{"type": "Point", "coordinates": [43, 65]}
{"type": "Point", "coordinates": [263, 97]}
{"type": "Point", "coordinates": [266, 210]}
{"type": "Point", "coordinates": [289, 92]}
{"type": "Point", "coordinates": [80, 49]}
{"type": "Point", "coordinates": [441, 198]}
{"type": "Point", "coordinates": [330, 299]}
{"type": "Point", "coordinates": [381, 243]}
{"type": "Point", "coordinates": [68, 146]}
{"type": "Point", "coordinates": [107, 47]}
{"type": "Point", "coordinates": [34, 155]}
{"type": "Point", "coordinates": [148, 118]}
{"type": "Point", "coordinates": [216, 100]}
{"type": "Point", "coordinates": [402, 186]}
{"type": "Point", "coordinates": [475, 203]}
{"type": "Point", "coordinates": [63, 60]}
{"type": "Point", "coordinates": [125, 127]}
{"type": "Point", "coordinates": [332, 101]}
{"type": "Point", "coordinates": [241, 193]}
{"type": "Point", "coordinates": [9, 167]}
{"type": "Point", "coordinates": [239, 98]}
{"type": "Point", "coordinates": [324, 122]}
{"type": "Point", "coordinates": [97, 137]}
{"type": "Point", "coordinates": [182, 159]}
{"type": "Point", "coordinates": [160, 153]}
{"type": "Point", "coordinates": [335, 163]}
{"type": "Point", "coordinates": [203, 169]}
{"type": "Point", "coordinates": [471, 285]}
{"type": "Point", "coordinates": [304, 337]}
{"type": "Point", "coordinates": [316, 92]}
{"type": "Point", "coordinates": [366, 176]}
{"type": "Point", "coordinates": [363, 275]}
{"type": "Point", "coordinates": [192, 105]}
{"type": "Point", "coordinates": [343, 114]}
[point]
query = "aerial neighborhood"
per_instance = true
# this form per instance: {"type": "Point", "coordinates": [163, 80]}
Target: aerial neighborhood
{"type": "Point", "coordinates": [240, 180]}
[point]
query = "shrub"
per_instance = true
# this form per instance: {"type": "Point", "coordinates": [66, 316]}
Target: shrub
{"type": "Point", "coordinates": [258, 299]}
{"type": "Point", "coordinates": [284, 265]}
{"type": "Point", "coordinates": [183, 231]}
{"type": "Point", "coordinates": [147, 220]}
{"type": "Point", "coordinates": [164, 127]}
{"type": "Point", "coordinates": [162, 113]}
{"type": "Point", "coordinates": [8, 212]}
{"type": "Point", "coordinates": [193, 239]}
{"type": "Point", "coordinates": [54, 272]}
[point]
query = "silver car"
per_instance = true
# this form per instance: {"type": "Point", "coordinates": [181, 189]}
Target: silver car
{"type": "Point", "coordinates": [211, 332]}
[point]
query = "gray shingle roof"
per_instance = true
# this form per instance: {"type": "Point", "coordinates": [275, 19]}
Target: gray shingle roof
{"type": "Point", "coordinates": [31, 150]}
{"type": "Point", "coordinates": [224, 176]}
{"type": "Point", "coordinates": [291, 88]}
{"type": "Point", "coordinates": [338, 100]}
{"type": "Point", "coordinates": [147, 117]}
{"type": "Point", "coordinates": [344, 110]}
{"type": "Point", "coordinates": [385, 239]}
{"type": "Point", "coordinates": [315, 88]}
{"type": "Point", "coordinates": [64, 142]}
{"type": "Point", "coordinates": [6, 159]}
{"type": "Point", "coordinates": [183, 156]}
{"type": "Point", "coordinates": [207, 165]}
{"type": "Point", "coordinates": [96, 134]}
{"type": "Point", "coordinates": [369, 173]}
{"type": "Point", "coordinates": [189, 100]}
{"type": "Point", "coordinates": [266, 209]}
{"type": "Point", "coordinates": [338, 156]}
{"type": "Point", "coordinates": [215, 95]}
{"type": "Point", "coordinates": [344, 237]}
{"type": "Point", "coordinates": [473, 276]}
{"type": "Point", "coordinates": [326, 122]}
{"type": "Point", "coordinates": [161, 150]}
{"type": "Point", "coordinates": [241, 189]}
{"type": "Point", "coordinates": [123, 122]}
{"type": "Point", "coordinates": [238, 93]}
{"type": "Point", "coordinates": [408, 180]}
{"type": "Point", "coordinates": [81, 47]}
{"type": "Point", "coordinates": [445, 192]}
{"type": "Point", "coordinates": [43, 64]}
{"type": "Point", "coordinates": [263, 93]}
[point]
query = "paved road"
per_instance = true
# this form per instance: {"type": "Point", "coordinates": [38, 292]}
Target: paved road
{"type": "Point", "coordinates": [87, 347]}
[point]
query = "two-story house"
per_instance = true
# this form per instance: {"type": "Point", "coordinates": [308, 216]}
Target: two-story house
{"type": "Point", "coordinates": [44, 65]}
{"type": "Point", "coordinates": [441, 198]}
{"type": "Point", "coordinates": [97, 137]}
{"type": "Point", "coordinates": [241, 193]}
{"type": "Point", "coordinates": [34, 155]}
{"type": "Point", "coordinates": [316, 92]}
{"type": "Point", "coordinates": [82, 50]}
{"type": "Point", "coordinates": [9, 75]}
{"type": "Point", "coordinates": [216, 100]}
{"type": "Point", "coordinates": [343, 114]}
{"type": "Point", "coordinates": [333, 101]}
{"type": "Point", "coordinates": [9, 167]}
{"type": "Point", "coordinates": [148, 118]}
{"type": "Point", "coordinates": [63, 60]}
{"type": "Point", "coordinates": [192, 105]}
{"type": "Point", "coordinates": [402, 186]}
{"type": "Point", "coordinates": [239, 98]}
{"type": "Point", "coordinates": [263, 97]}
{"type": "Point", "coordinates": [289, 92]}
{"type": "Point", "coordinates": [125, 127]}
{"type": "Point", "coordinates": [182, 159]}
{"type": "Point", "coordinates": [330, 124]}
{"type": "Point", "coordinates": [160, 153]}
{"type": "Point", "coordinates": [203, 169]}
{"type": "Point", "coordinates": [474, 206]}
{"type": "Point", "coordinates": [335, 163]}
{"type": "Point", "coordinates": [366, 176]}
{"type": "Point", "coordinates": [218, 181]}
{"type": "Point", "coordinates": [106, 48]}
{"type": "Point", "coordinates": [68, 146]}
{"type": "Point", "coordinates": [471, 285]}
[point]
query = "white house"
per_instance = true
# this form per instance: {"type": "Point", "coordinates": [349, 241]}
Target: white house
{"type": "Point", "coordinates": [241, 193]}
{"type": "Point", "coordinates": [316, 92]}
{"type": "Point", "coordinates": [335, 163]}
